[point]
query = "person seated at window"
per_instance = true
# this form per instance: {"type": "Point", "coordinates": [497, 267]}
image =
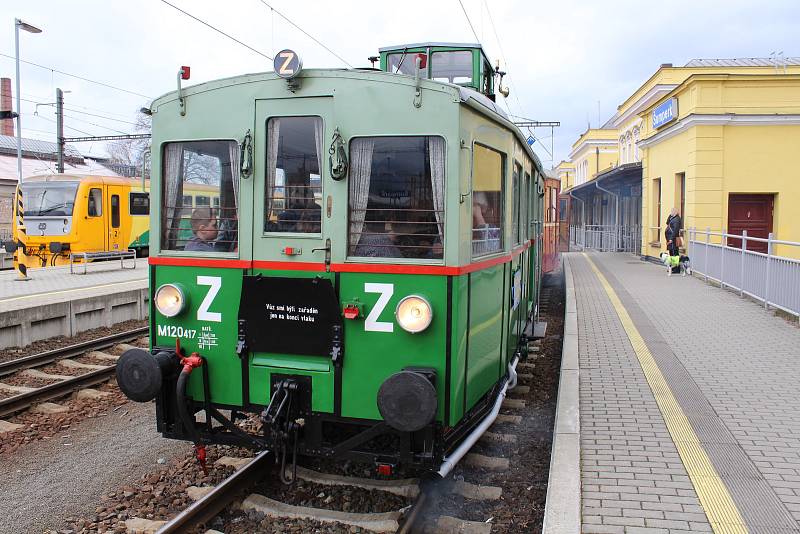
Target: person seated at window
{"type": "Point", "coordinates": [204, 228]}
{"type": "Point", "coordinates": [377, 242]}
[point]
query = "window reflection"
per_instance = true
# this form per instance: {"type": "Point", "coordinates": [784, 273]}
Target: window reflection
{"type": "Point", "coordinates": [294, 184]}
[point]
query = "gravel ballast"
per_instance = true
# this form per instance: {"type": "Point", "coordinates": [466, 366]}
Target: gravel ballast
{"type": "Point", "coordinates": [44, 483]}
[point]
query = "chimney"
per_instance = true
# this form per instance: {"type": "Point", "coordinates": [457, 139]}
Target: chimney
{"type": "Point", "coordinates": [6, 125]}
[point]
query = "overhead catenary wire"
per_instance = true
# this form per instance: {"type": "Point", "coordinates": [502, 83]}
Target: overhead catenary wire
{"type": "Point", "coordinates": [232, 38]}
{"type": "Point", "coordinates": [284, 17]}
{"type": "Point", "coordinates": [82, 78]}
{"type": "Point", "coordinates": [477, 40]}
{"type": "Point", "coordinates": [78, 111]}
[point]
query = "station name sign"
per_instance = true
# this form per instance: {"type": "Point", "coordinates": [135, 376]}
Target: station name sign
{"type": "Point", "coordinates": [665, 112]}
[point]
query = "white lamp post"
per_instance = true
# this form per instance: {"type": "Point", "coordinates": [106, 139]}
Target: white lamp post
{"type": "Point", "coordinates": [32, 29]}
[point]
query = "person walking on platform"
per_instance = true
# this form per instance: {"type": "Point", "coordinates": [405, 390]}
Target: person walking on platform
{"type": "Point", "coordinates": [672, 232]}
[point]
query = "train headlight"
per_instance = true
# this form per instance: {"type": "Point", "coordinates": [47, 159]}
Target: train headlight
{"type": "Point", "coordinates": [413, 314]}
{"type": "Point", "coordinates": [170, 300]}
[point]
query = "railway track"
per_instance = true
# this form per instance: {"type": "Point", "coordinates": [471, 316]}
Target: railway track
{"type": "Point", "coordinates": [27, 397]}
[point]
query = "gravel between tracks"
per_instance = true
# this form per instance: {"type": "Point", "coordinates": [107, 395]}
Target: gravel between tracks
{"type": "Point", "coordinates": [46, 482]}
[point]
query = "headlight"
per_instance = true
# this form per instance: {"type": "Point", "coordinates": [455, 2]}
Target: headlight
{"type": "Point", "coordinates": [413, 314]}
{"type": "Point", "coordinates": [170, 300]}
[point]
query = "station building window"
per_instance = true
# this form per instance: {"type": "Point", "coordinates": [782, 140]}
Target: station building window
{"type": "Point", "coordinates": [396, 201]}
{"type": "Point", "coordinates": [488, 189]}
{"type": "Point", "coordinates": [203, 170]}
{"type": "Point", "coordinates": [293, 201]}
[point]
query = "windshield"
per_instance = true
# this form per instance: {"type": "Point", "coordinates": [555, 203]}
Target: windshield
{"type": "Point", "coordinates": [49, 198]}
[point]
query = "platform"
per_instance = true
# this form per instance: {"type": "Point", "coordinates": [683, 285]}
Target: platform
{"type": "Point", "coordinates": [689, 413]}
{"type": "Point", "coordinates": [54, 302]}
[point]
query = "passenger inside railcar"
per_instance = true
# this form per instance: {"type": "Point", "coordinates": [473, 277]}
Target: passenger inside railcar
{"type": "Point", "coordinates": [204, 228]}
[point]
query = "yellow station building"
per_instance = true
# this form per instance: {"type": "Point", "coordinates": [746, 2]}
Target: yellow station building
{"type": "Point", "coordinates": [714, 139]}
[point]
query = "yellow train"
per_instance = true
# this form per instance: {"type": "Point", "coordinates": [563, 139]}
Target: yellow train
{"type": "Point", "coordinates": [65, 214]}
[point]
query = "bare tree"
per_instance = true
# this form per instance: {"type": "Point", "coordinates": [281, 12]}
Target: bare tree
{"type": "Point", "coordinates": [129, 152]}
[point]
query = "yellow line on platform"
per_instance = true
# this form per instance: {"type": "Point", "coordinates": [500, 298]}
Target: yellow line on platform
{"type": "Point", "coordinates": [717, 502]}
{"type": "Point", "coordinates": [46, 293]}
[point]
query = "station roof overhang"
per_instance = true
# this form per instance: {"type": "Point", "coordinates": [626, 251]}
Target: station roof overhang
{"type": "Point", "coordinates": [619, 180]}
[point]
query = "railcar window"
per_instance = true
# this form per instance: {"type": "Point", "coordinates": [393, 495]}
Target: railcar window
{"type": "Point", "coordinates": [139, 203]}
{"type": "Point", "coordinates": [203, 170]}
{"type": "Point", "coordinates": [293, 201]}
{"type": "Point", "coordinates": [525, 207]}
{"type": "Point", "coordinates": [48, 198]}
{"type": "Point", "coordinates": [396, 200]}
{"type": "Point", "coordinates": [488, 188]}
{"type": "Point", "coordinates": [454, 66]}
{"type": "Point", "coordinates": [114, 211]}
{"type": "Point", "coordinates": [515, 180]}
{"type": "Point", "coordinates": [405, 64]}
{"type": "Point", "coordinates": [95, 207]}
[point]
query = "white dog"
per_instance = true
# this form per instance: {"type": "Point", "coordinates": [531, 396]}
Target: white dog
{"type": "Point", "coordinates": [671, 262]}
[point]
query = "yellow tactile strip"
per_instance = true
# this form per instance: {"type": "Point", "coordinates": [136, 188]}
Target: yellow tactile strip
{"type": "Point", "coordinates": [717, 503]}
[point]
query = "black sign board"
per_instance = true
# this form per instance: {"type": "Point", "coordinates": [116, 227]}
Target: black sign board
{"type": "Point", "coordinates": [289, 315]}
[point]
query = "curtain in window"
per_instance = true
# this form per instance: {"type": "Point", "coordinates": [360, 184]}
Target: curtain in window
{"type": "Point", "coordinates": [360, 171]}
{"type": "Point", "coordinates": [173, 189]}
{"type": "Point", "coordinates": [233, 151]}
{"type": "Point", "coordinates": [318, 133]}
{"type": "Point", "coordinates": [436, 151]}
{"type": "Point", "coordinates": [273, 136]}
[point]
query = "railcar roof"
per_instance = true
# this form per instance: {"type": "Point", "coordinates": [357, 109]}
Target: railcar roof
{"type": "Point", "coordinates": [490, 108]}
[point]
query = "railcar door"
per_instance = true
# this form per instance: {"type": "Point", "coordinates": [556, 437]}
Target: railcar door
{"type": "Point", "coordinates": [291, 246]}
{"type": "Point", "coordinates": [114, 217]}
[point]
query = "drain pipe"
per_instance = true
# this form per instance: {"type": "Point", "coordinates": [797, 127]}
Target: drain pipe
{"type": "Point", "coordinates": [451, 461]}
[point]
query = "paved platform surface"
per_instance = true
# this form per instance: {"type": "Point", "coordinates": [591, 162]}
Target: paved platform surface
{"type": "Point", "coordinates": [689, 405]}
{"type": "Point", "coordinates": [56, 284]}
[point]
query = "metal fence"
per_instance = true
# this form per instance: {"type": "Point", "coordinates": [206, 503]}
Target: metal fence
{"type": "Point", "coordinates": [773, 280]}
{"type": "Point", "coordinates": [606, 238]}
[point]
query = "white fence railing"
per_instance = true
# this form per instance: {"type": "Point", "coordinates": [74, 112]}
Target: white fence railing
{"type": "Point", "coordinates": [606, 238]}
{"type": "Point", "coordinates": [773, 280]}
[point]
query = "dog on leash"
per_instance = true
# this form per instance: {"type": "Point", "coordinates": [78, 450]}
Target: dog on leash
{"type": "Point", "coordinates": [681, 263]}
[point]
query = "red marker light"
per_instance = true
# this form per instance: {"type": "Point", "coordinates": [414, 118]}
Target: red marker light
{"type": "Point", "coordinates": [423, 60]}
{"type": "Point", "coordinates": [185, 72]}
{"type": "Point", "coordinates": [350, 312]}
{"type": "Point", "coordinates": [385, 469]}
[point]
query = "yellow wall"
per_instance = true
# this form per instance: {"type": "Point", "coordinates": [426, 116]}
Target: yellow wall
{"type": "Point", "coordinates": [731, 157]}
{"type": "Point", "coordinates": [593, 151]}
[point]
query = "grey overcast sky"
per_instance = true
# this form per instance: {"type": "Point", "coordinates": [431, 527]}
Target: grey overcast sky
{"type": "Point", "coordinates": [563, 57]}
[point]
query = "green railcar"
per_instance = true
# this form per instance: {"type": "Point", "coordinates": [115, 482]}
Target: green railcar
{"type": "Point", "coordinates": [367, 280]}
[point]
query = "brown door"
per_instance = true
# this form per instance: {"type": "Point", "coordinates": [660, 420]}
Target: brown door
{"type": "Point", "coordinates": [752, 213]}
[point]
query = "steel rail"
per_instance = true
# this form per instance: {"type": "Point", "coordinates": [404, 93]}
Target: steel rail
{"type": "Point", "coordinates": [51, 391]}
{"type": "Point", "coordinates": [414, 515]}
{"type": "Point", "coordinates": [35, 360]}
{"type": "Point", "coordinates": [211, 504]}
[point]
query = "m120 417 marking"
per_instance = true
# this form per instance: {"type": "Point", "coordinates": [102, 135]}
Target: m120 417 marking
{"type": "Point", "coordinates": [176, 331]}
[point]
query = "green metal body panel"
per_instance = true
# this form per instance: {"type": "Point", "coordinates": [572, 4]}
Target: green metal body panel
{"type": "Point", "coordinates": [484, 329]}
{"type": "Point", "coordinates": [371, 357]}
{"type": "Point", "coordinates": [216, 341]}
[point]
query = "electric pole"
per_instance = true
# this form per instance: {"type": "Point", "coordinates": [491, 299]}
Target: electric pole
{"type": "Point", "coordinates": [60, 130]}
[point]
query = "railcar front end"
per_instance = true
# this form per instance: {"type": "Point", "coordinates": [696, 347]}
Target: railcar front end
{"type": "Point", "coordinates": [363, 285]}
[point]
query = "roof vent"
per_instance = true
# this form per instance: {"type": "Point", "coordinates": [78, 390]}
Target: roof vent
{"type": "Point", "coordinates": [666, 65]}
